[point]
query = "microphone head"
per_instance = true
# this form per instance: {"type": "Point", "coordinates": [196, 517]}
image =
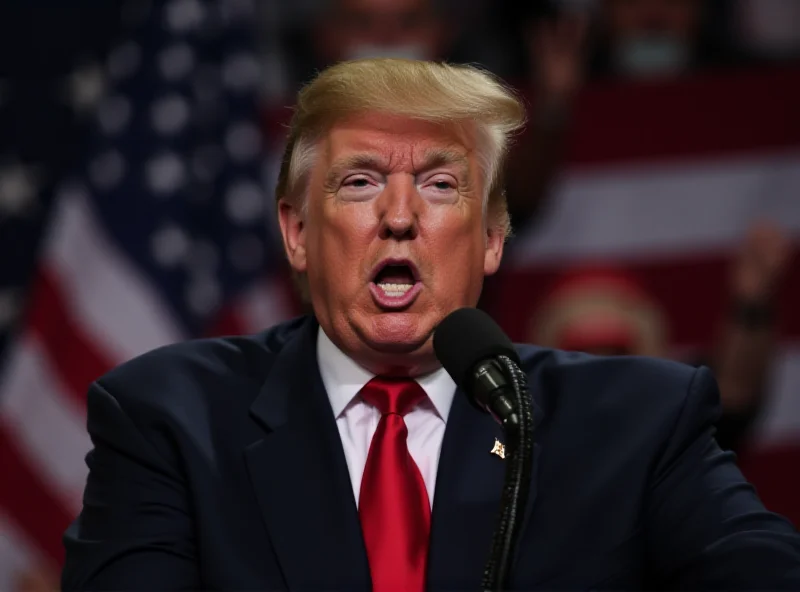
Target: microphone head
{"type": "Point", "coordinates": [465, 337]}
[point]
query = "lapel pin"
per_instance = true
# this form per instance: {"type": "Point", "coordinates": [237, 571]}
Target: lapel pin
{"type": "Point", "coordinates": [499, 449]}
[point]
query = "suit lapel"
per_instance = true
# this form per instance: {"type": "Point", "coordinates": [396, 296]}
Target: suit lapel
{"type": "Point", "coordinates": [467, 497]}
{"type": "Point", "coordinates": [300, 476]}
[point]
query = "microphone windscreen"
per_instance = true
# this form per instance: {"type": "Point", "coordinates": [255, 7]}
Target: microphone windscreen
{"type": "Point", "coordinates": [467, 336]}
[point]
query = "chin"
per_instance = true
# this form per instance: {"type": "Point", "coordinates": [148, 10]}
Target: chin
{"type": "Point", "coordinates": [397, 332]}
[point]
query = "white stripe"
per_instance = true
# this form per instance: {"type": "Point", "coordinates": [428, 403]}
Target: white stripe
{"type": "Point", "coordinates": [647, 211]}
{"type": "Point", "coordinates": [46, 422]}
{"type": "Point", "coordinates": [114, 303]}
{"type": "Point", "coordinates": [17, 555]}
{"type": "Point", "coordinates": [780, 421]}
{"type": "Point", "coordinates": [263, 306]}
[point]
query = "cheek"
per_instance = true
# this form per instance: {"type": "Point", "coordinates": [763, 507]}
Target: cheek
{"type": "Point", "coordinates": [458, 244]}
{"type": "Point", "coordinates": [340, 243]}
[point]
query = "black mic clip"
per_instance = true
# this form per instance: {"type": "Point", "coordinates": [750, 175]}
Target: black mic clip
{"type": "Point", "coordinates": [495, 395]}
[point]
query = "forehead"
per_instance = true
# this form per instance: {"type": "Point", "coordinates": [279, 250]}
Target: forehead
{"type": "Point", "coordinates": [395, 138]}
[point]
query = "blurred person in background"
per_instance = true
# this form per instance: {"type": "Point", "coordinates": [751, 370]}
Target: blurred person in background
{"type": "Point", "coordinates": [355, 29]}
{"type": "Point", "coordinates": [605, 311]}
{"type": "Point", "coordinates": [657, 38]}
{"type": "Point", "coordinates": [768, 28]}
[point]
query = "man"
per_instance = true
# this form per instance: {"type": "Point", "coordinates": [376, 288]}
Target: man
{"type": "Point", "coordinates": [658, 39]}
{"type": "Point", "coordinates": [334, 453]}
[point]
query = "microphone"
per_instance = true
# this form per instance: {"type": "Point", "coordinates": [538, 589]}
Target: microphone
{"type": "Point", "coordinates": [482, 361]}
{"type": "Point", "coordinates": [468, 343]}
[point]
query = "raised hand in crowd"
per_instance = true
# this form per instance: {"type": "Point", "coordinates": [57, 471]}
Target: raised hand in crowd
{"type": "Point", "coordinates": [746, 347]}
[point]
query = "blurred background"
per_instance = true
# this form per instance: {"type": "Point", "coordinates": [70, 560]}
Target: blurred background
{"type": "Point", "coordinates": [655, 198]}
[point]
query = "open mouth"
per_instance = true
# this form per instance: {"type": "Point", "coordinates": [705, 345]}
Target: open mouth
{"type": "Point", "coordinates": [395, 283]}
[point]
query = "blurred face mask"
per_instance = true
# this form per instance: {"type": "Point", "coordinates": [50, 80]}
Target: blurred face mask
{"type": "Point", "coordinates": [409, 51]}
{"type": "Point", "coordinates": [652, 56]}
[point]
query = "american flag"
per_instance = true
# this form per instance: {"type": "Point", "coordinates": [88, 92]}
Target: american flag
{"type": "Point", "coordinates": [165, 234]}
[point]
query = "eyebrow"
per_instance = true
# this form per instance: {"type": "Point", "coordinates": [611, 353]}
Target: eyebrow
{"type": "Point", "coordinates": [437, 157]}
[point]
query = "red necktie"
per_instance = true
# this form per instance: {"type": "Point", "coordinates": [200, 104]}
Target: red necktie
{"type": "Point", "coordinates": [393, 503]}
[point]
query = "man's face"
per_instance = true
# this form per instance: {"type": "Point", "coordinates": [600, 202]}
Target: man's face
{"type": "Point", "coordinates": [381, 28]}
{"type": "Point", "coordinates": [393, 237]}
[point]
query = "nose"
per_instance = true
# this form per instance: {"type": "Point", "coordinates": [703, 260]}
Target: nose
{"type": "Point", "coordinates": [399, 208]}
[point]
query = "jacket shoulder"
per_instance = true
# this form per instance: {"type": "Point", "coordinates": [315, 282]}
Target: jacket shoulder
{"type": "Point", "coordinates": [198, 365]}
{"type": "Point", "coordinates": [622, 385]}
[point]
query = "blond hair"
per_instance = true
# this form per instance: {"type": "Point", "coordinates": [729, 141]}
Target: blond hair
{"type": "Point", "coordinates": [428, 91]}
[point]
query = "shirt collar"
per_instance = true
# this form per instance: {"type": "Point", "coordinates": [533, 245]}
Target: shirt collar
{"type": "Point", "coordinates": [344, 378]}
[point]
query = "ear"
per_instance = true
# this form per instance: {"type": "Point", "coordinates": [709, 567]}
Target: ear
{"type": "Point", "coordinates": [293, 231]}
{"type": "Point", "coordinates": [495, 241]}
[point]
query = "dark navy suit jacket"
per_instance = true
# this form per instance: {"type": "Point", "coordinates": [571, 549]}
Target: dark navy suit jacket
{"type": "Point", "coordinates": [217, 464]}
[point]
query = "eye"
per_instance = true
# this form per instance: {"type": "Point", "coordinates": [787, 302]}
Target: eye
{"type": "Point", "coordinates": [358, 187]}
{"type": "Point", "coordinates": [443, 185]}
{"type": "Point", "coordinates": [356, 182]}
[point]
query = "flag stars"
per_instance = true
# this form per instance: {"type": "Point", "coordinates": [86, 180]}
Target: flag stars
{"type": "Point", "coordinates": [244, 202]}
{"type": "Point", "coordinates": [241, 72]}
{"type": "Point", "coordinates": [165, 174]}
{"type": "Point", "coordinates": [19, 185]}
{"type": "Point", "coordinates": [243, 142]}
{"type": "Point", "coordinates": [107, 169]}
{"type": "Point", "coordinates": [203, 258]}
{"type": "Point", "coordinates": [169, 246]}
{"type": "Point", "coordinates": [170, 114]}
{"type": "Point", "coordinates": [176, 62]}
{"type": "Point", "coordinates": [183, 16]}
{"type": "Point", "coordinates": [85, 87]}
{"type": "Point", "coordinates": [114, 114]}
{"type": "Point", "coordinates": [203, 294]}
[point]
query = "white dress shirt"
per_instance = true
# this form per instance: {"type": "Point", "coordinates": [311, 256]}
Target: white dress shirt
{"type": "Point", "coordinates": [358, 420]}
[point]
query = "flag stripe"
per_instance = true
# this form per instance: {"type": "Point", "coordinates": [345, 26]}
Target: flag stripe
{"type": "Point", "coordinates": [662, 210]}
{"type": "Point", "coordinates": [774, 471]}
{"type": "Point", "coordinates": [49, 424]}
{"type": "Point", "coordinates": [19, 556]}
{"type": "Point", "coordinates": [118, 309]}
{"type": "Point", "coordinates": [726, 113]}
{"type": "Point", "coordinates": [36, 512]}
{"type": "Point", "coordinates": [72, 354]}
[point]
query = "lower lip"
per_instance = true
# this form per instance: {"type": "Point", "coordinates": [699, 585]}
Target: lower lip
{"type": "Point", "coordinates": [394, 302]}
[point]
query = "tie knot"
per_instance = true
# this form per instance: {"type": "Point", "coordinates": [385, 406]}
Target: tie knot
{"type": "Point", "coordinates": [393, 395]}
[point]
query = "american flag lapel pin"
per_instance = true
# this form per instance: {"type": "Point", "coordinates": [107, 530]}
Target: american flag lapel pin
{"type": "Point", "coordinates": [499, 449]}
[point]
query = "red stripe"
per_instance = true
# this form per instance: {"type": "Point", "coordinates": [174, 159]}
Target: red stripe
{"type": "Point", "coordinates": [228, 322]}
{"type": "Point", "coordinates": [691, 290]}
{"type": "Point", "coordinates": [28, 501]}
{"type": "Point", "coordinates": [774, 473]}
{"type": "Point", "coordinates": [71, 352]}
{"type": "Point", "coordinates": [708, 115]}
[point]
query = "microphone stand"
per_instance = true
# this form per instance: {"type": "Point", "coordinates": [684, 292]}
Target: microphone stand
{"type": "Point", "coordinates": [519, 457]}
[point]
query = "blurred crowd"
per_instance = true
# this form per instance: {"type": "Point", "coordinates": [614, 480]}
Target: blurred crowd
{"type": "Point", "coordinates": [54, 75]}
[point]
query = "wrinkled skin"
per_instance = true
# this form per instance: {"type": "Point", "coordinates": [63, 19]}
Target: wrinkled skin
{"type": "Point", "coordinates": [392, 187]}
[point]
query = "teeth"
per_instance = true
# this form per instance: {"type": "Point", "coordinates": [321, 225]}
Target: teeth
{"type": "Point", "coordinates": [395, 290]}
